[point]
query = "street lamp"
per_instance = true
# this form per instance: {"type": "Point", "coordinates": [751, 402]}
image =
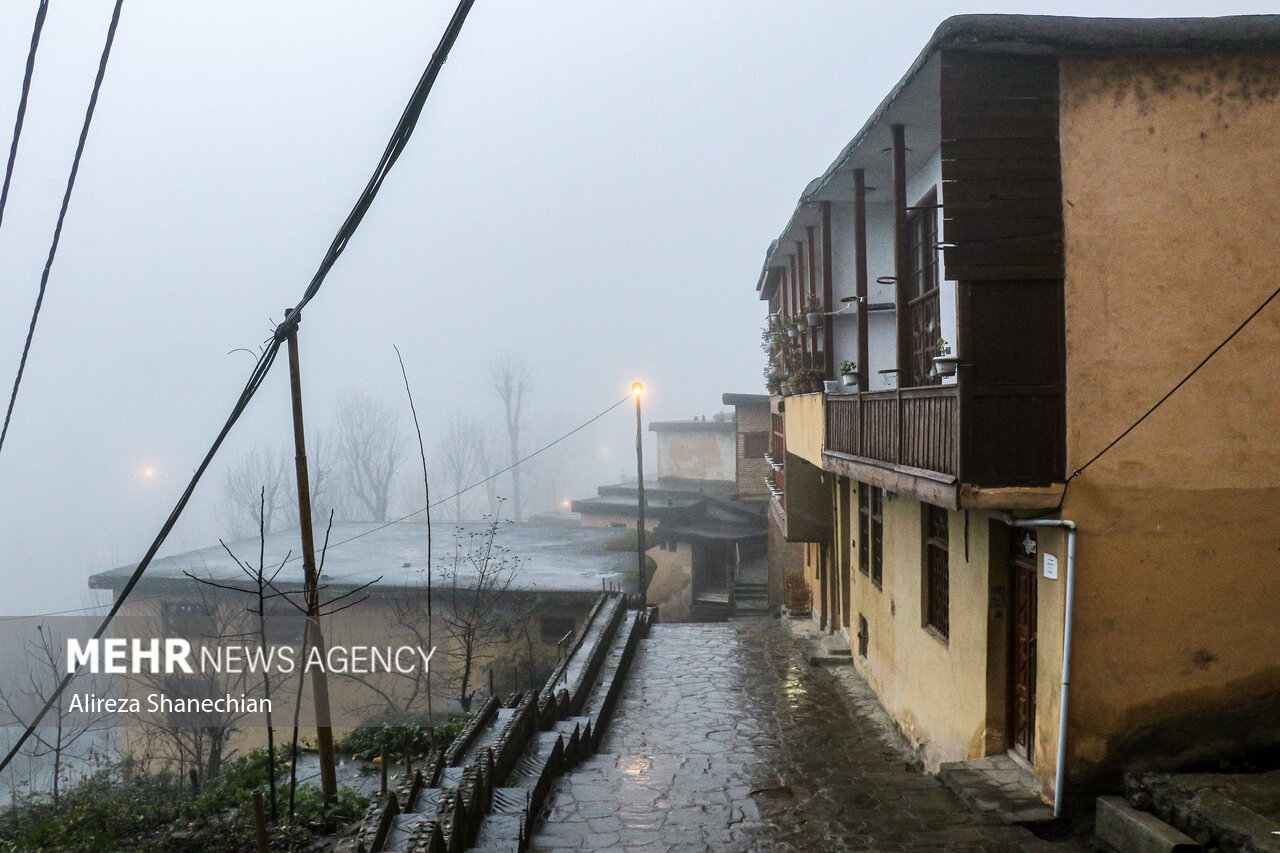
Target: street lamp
{"type": "Point", "coordinates": [637, 390]}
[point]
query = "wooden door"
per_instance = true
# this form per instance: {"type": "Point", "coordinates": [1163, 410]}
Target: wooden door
{"type": "Point", "coordinates": [1022, 645]}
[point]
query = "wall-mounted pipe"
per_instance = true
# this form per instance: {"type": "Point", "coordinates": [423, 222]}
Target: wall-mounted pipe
{"type": "Point", "coordinates": [1064, 698]}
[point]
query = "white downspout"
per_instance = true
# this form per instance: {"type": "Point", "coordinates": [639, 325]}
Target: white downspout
{"type": "Point", "coordinates": [1070, 527]}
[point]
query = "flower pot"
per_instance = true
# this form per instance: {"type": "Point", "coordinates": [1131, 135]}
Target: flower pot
{"type": "Point", "coordinates": [793, 333]}
{"type": "Point", "coordinates": [813, 318]}
{"type": "Point", "coordinates": [849, 379]}
{"type": "Point", "coordinates": [786, 389]}
{"type": "Point", "coordinates": [831, 387]}
{"type": "Point", "coordinates": [945, 365]}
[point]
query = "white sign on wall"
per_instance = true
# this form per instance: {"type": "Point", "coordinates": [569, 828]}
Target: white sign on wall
{"type": "Point", "coordinates": [1051, 567]}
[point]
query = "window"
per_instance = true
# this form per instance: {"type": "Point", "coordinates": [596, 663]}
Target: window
{"type": "Point", "coordinates": [937, 569]}
{"type": "Point", "coordinates": [754, 444]}
{"type": "Point", "coordinates": [871, 532]}
{"type": "Point", "coordinates": [193, 621]}
{"type": "Point", "coordinates": [922, 278]}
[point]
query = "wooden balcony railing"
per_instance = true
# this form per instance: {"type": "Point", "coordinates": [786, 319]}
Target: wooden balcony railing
{"type": "Point", "coordinates": [914, 427]}
{"type": "Point", "coordinates": [778, 453]}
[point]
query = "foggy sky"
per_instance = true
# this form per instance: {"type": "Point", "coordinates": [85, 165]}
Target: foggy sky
{"type": "Point", "coordinates": [592, 184]}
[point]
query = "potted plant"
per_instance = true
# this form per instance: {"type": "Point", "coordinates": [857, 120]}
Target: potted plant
{"type": "Point", "coordinates": [773, 382]}
{"type": "Point", "coordinates": [944, 363]}
{"type": "Point", "coordinates": [848, 373]}
{"type": "Point", "coordinates": [813, 311]}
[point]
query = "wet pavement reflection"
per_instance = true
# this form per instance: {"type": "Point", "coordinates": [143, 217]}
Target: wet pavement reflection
{"type": "Point", "coordinates": [725, 740]}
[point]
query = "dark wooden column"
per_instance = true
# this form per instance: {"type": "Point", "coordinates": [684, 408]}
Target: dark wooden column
{"type": "Point", "coordinates": [802, 290]}
{"type": "Point", "coordinates": [813, 291]}
{"type": "Point", "coordinates": [828, 296]}
{"type": "Point", "coordinates": [901, 257]}
{"type": "Point", "coordinates": [860, 274]}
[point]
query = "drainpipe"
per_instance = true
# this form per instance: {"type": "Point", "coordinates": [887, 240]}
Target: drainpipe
{"type": "Point", "coordinates": [1070, 527]}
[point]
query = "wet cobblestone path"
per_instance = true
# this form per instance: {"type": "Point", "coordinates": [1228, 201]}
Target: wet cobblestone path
{"type": "Point", "coordinates": [726, 740]}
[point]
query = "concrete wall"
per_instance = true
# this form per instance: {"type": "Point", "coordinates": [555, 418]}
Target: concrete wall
{"type": "Point", "coordinates": [697, 454]}
{"type": "Point", "coordinates": [1170, 195]}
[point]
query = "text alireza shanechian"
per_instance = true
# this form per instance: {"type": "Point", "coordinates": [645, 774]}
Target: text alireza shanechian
{"type": "Point", "coordinates": [173, 656]}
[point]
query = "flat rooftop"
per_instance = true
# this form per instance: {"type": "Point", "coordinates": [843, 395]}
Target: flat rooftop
{"type": "Point", "coordinates": [554, 556]}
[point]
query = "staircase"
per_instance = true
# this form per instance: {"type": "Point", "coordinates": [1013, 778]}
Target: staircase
{"type": "Point", "coordinates": [750, 599]}
{"type": "Point", "coordinates": [484, 792]}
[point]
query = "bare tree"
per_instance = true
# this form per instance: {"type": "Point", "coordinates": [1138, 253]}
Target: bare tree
{"type": "Point", "coordinates": [55, 739]}
{"type": "Point", "coordinates": [511, 377]}
{"type": "Point", "coordinates": [196, 741]}
{"type": "Point", "coordinates": [368, 440]}
{"type": "Point", "coordinates": [258, 472]}
{"type": "Point", "coordinates": [481, 619]}
{"type": "Point", "coordinates": [461, 451]}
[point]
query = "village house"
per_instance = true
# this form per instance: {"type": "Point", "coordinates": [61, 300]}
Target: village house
{"type": "Point", "coordinates": [517, 613]}
{"type": "Point", "coordinates": [704, 523]}
{"type": "Point", "coordinates": [1041, 231]}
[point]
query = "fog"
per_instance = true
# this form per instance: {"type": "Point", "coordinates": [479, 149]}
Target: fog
{"type": "Point", "coordinates": [592, 187]}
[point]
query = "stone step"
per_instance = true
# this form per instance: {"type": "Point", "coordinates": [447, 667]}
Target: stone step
{"type": "Point", "coordinates": [1125, 828]}
{"type": "Point", "coordinates": [999, 786]}
{"type": "Point", "coordinates": [501, 829]}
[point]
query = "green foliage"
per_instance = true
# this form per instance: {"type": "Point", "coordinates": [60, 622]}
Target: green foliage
{"type": "Point", "coordinates": [123, 809]}
{"type": "Point", "coordinates": [366, 742]}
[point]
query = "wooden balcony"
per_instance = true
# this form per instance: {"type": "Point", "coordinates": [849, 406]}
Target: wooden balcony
{"type": "Point", "coordinates": [992, 448]}
{"type": "Point", "coordinates": [910, 427]}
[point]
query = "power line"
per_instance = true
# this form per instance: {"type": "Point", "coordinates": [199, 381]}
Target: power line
{"type": "Point", "coordinates": [385, 525]}
{"type": "Point", "coordinates": [54, 613]}
{"type": "Point", "coordinates": [66, 195]}
{"type": "Point", "coordinates": [478, 483]}
{"type": "Point", "coordinates": [403, 130]}
{"type": "Point", "coordinates": [1181, 382]}
{"type": "Point", "coordinates": [22, 103]}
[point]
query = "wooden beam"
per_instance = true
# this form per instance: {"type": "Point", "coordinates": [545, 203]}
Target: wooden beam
{"type": "Point", "coordinates": [860, 274]}
{"type": "Point", "coordinates": [901, 256]}
{"type": "Point", "coordinates": [828, 296]}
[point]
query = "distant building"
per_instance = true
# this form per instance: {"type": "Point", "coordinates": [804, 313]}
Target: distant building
{"type": "Point", "coordinates": [562, 568]}
{"type": "Point", "coordinates": [704, 514]}
{"type": "Point", "coordinates": [1044, 228]}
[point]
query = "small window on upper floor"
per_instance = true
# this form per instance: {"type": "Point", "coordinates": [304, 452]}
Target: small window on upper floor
{"type": "Point", "coordinates": [754, 444]}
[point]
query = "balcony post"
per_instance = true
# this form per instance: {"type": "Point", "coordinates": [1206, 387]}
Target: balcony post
{"type": "Point", "coordinates": [860, 274]}
{"type": "Point", "coordinates": [901, 256]}
{"type": "Point", "coordinates": [828, 297]}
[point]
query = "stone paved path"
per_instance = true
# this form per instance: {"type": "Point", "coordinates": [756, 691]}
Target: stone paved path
{"type": "Point", "coordinates": [725, 740]}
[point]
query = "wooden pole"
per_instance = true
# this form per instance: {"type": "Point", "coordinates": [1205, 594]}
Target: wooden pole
{"type": "Point", "coordinates": [382, 769]}
{"type": "Point", "coordinates": [644, 587]}
{"type": "Point", "coordinates": [260, 824]}
{"type": "Point", "coordinates": [860, 275]}
{"type": "Point", "coordinates": [901, 257]}
{"type": "Point", "coordinates": [311, 579]}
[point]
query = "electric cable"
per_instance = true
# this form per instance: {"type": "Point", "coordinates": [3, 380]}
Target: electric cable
{"type": "Point", "coordinates": [66, 195]}
{"type": "Point", "coordinates": [22, 103]}
{"type": "Point", "coordinates": [403, 130]}
{"type": "Point", "coordinates": [1149, 412]}
{"type": "Point", "coordinates": [477, 483]}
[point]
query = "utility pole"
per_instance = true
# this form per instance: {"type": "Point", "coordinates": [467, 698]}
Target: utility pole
{"type": "Point", "coordinates": [637, 389]}
{"type": "Point", "coordinates": [311, 579]}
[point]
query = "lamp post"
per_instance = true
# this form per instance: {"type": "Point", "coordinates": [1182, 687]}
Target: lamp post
{"type": "Point", "coordinates": [637, 389]}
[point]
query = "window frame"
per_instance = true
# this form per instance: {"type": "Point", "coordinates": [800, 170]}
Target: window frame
{"type": "Point", "coordinates": [936, 570]}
